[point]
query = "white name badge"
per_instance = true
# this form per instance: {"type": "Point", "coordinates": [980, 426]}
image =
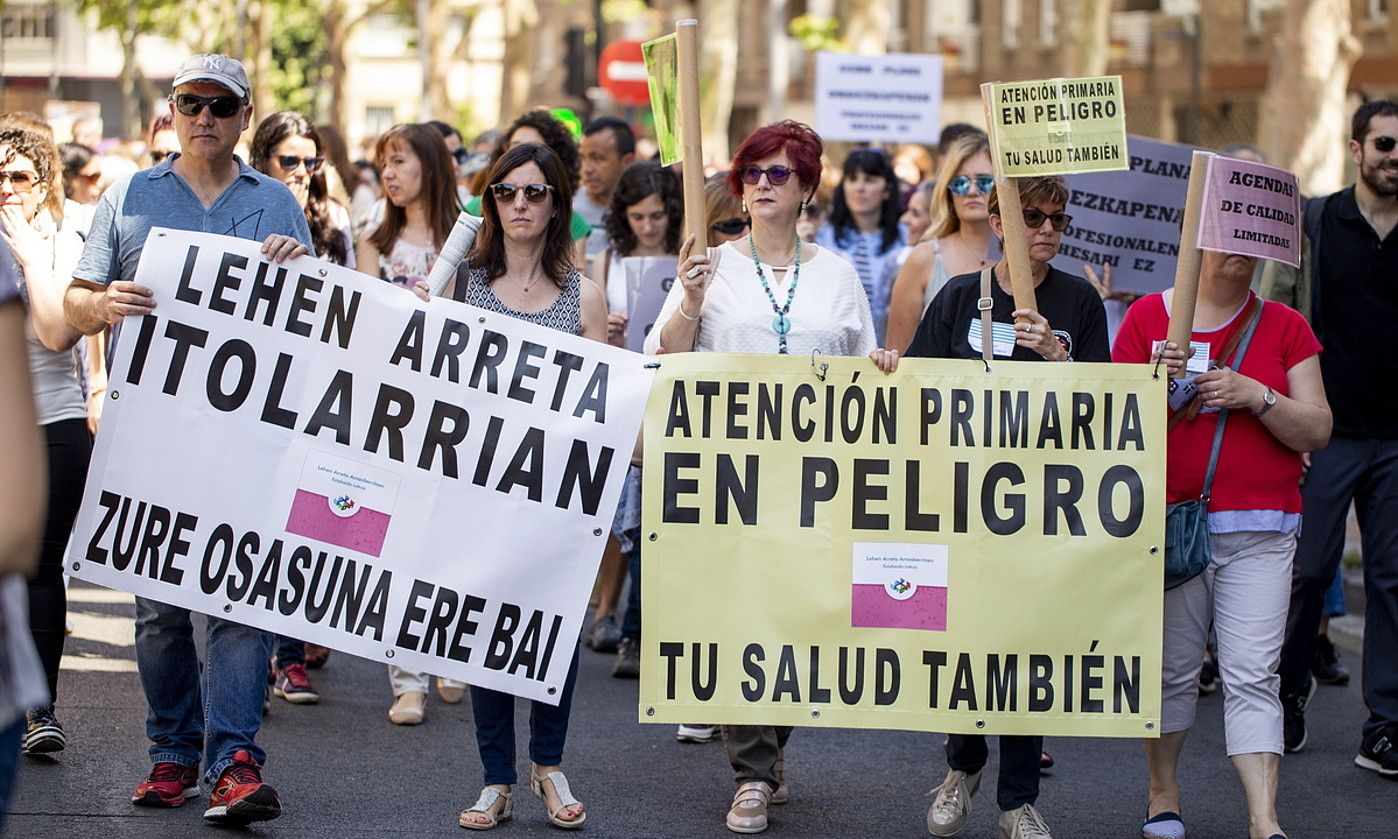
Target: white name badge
{"type": "Point", "coordinates": [1002, 337]}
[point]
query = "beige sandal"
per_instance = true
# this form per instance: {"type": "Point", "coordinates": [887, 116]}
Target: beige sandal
{"type": "Point", "coordinates": [565, 798]}
{"type": "Point", "coordinates": [485, 805]}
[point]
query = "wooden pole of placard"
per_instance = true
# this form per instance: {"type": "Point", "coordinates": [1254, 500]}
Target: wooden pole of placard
{"type": "Point", "coordinates": [696, 223]}
{"type": "Point", "coordinates": [1186, 292]}
{"type": "Point", "coordinates": [1016, 245]}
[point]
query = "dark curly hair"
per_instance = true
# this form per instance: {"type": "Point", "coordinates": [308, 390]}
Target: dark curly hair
{"type": "Point", "coordinates": [639, 182]}
{"type": "Point", "coordinates": [875, 163]}
{"type": "Point", "coordinates": [327, 238]}
{"type": "Point", "coordinates": [557, 137]}
{"type": "Point", "coordinates": [489, 250]}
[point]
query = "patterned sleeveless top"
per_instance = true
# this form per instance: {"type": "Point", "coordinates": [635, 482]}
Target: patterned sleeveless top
{"type": "Point", "coordinates": [565, 314]}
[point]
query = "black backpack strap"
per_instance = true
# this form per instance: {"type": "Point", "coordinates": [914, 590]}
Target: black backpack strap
{"type": "Point", "coordinates": [1313, 211]}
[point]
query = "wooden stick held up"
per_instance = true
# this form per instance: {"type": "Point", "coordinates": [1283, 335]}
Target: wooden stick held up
{"type": "Point", "coordinates": [1187, 266]}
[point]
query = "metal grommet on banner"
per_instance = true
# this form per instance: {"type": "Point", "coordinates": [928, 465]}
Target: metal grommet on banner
{"type": "Point", "coordinates": [1150, 725]}
{"type": "Point", "coordinates": [228, 607]}
{"type": "Point", "coordinates": [820, 368]}
{"type": "Point", "coordinates": [650, 712]}
{"type": "Point", "coordinates": [160, 235]}
{"type": "Point", "coordinates": [980, 723]}
{"type": "Point", "coordinates": [552, 691]}
{"type": "Point", "coordinates": [815, 714]}
{"type": "Point", "coordinates": [1154, 549]}
{"type": "Point", "coordinates": [596, 531]}
{"type": "Point", "coordinates": [481, 320]}
{"type": "Point", "coordinates": [654, 365]}
{"type": "Point", "coordinates": [388, 654]}
{"type": "Point", "coordinates": [116, 394]}
{"type": "Point", "coordinates": [322, 272]}
{"type": "Point", "coordinates": [77, 566]}
{"type": "Point", "coordinates": [1155, 373]}
{"type": "Point", "coordinates": [654, 536]}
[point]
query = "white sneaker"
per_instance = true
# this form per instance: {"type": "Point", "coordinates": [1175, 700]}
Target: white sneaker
{"type": "Point", "coordinates": [1023, 823]}
{"type": "Point", "coordinates": [693, 733]}
{"type": "Point", "coordinates": [952, 804]}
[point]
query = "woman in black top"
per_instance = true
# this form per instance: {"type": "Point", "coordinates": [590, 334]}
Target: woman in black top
{"type": "Point", "coordinates": [1070, 323]}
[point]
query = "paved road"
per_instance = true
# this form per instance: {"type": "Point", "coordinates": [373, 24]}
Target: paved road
{"type": "Point", "coordinates": [344, 771]}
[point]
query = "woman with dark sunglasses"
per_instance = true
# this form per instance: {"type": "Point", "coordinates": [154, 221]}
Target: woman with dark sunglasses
{"type": "Point", "coordinates": [1068, 324]}
{"type": "Point", "coordinates": [287, 146]}
{"type": "Point", "coordinates": [956, 242]}
{"type": "Point", "coordinates": [728, 221]}
{"type": "Point", "coordinates": [768, 292]}
{"type": "Point", "coordinates": [521, 266]}
{"type": "Point", "coordinates": [864, 228]}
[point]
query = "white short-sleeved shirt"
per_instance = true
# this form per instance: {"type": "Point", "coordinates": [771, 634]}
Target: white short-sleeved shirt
{"type": "Point", "coordinates": [830, 311]}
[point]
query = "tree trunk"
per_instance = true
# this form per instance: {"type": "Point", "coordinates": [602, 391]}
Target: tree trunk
{"type": "Point", "coordinates": [520, 19]}
{"type": "Point", "coordinates": [130, 103]}
{"type": "Point", "coordinates": [1086, 26]}
{"type": "Point", "coordinates": [259, 59]}
{"type": "Point", "coordinates": [718, 72]}
{"type": "Point", "coordinates": [866, 26]}
{"type": "Point", "coordinates": [439, 52]}
{"type": "Point", "coordinates": [1303, 108]}
{"type": "Point", "coordinates": [337, 30]}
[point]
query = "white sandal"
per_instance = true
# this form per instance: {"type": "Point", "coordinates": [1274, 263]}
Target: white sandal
{"type": "Point", "coordinates": [565, 798]}
{"type": "Point", "coordinates": [485, 806]}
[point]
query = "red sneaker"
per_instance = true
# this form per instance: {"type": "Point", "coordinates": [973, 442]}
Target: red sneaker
{"type": "Point", "coordinates": [239, 795]}
{"type": "Point", "coordinates": [167, 785]}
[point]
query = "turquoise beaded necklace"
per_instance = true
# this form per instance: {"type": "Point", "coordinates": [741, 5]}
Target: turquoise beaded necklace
{"type": "Point", "coordinates": [781, 324]}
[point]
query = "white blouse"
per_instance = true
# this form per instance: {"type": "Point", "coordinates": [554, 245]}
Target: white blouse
{"type": "Point", "coordinates": [830, 311]}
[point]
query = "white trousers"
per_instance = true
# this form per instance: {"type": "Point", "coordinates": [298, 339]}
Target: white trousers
{"type": "Point", "coordinates": [404, 681]}
{"type": "Point", "coordinates": [1246, 591]}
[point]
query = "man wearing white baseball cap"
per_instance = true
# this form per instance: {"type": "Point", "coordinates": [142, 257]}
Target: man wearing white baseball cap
{"type": "Point", "coordinates": [215, 713]}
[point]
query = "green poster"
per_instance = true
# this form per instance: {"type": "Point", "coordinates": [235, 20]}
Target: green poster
{"type": "Point", "coordinates": [1060, 126]}
{"type": "Point", "coordinates": [663, 76]}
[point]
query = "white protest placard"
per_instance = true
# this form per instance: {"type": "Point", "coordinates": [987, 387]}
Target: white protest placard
{"type": "Point", "coordinates": [1251, 209]}
{"type": "Point", "coordinates": [878, 98]}
{"type": "Point", "coordinates": [317, 453]}
{"type": "Point", "coordinates": [1129, 220]}
{"type": "Point", "coordinates": [648, 281]}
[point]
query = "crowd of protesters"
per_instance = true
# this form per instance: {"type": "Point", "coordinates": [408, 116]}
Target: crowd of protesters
{"type": "Point", "coordinates": [899, 255]}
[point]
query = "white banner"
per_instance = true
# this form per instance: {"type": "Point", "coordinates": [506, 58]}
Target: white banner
{"type": "Point", "coordinates": [315, 452]}
{"type": "Point", "coordinates": [879, 98]}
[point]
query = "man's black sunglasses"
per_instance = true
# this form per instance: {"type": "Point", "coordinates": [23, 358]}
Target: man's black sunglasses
{"type": "Point", "coordinates": [222, 107]}
{"type": "Point", "coordinates": [1385, 143]}
{"type": "Point", "coordinates": [731, 226]}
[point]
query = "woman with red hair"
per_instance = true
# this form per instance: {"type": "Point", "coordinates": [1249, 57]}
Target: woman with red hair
{"type": "Point", "coordinates": [763, 293]}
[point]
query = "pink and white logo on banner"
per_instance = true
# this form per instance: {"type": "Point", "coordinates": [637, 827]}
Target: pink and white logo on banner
{"type": "Point", "coordinates": [1251, 209]}
{"type": "Point", "coordinates": [344, 503]}
{"type": "Point", "coordinates": [899, 586]}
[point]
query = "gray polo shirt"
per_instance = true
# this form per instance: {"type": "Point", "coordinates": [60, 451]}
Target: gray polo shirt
{"type": "Point", "coordinates": [253, 207]}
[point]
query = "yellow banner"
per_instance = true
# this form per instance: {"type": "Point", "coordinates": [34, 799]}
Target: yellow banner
{"type": "Point", "coordinates": [943, 549]}
{"type": "Point", "coordinates": [1060, 126]}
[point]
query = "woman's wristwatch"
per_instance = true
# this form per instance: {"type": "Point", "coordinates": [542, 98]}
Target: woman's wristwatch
{"type": "Point", "coordinates": [1269, 399]}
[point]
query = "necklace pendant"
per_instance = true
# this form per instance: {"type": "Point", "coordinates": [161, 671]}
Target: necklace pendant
{"type": "Point", "coordinates": [781, 324]}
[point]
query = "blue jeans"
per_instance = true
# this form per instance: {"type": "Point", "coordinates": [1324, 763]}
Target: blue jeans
{"type": "Point", "coordinates": [627, 527]}
{"type": "Point", "coordinates": [289, 651]}
{"type": "Point", "coordinates": [218, 717]}
{"type": "Point", "coordinates": [9, 765]}
{"type": "Point", "coordinates": [495, 729]}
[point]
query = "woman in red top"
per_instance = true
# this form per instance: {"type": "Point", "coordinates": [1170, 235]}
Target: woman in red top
{"type": "Point", "coordinates": [1276, 412]}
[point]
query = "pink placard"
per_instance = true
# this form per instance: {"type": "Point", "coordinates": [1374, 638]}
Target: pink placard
{"type": "Point", "coordinates": [1251, 209]}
